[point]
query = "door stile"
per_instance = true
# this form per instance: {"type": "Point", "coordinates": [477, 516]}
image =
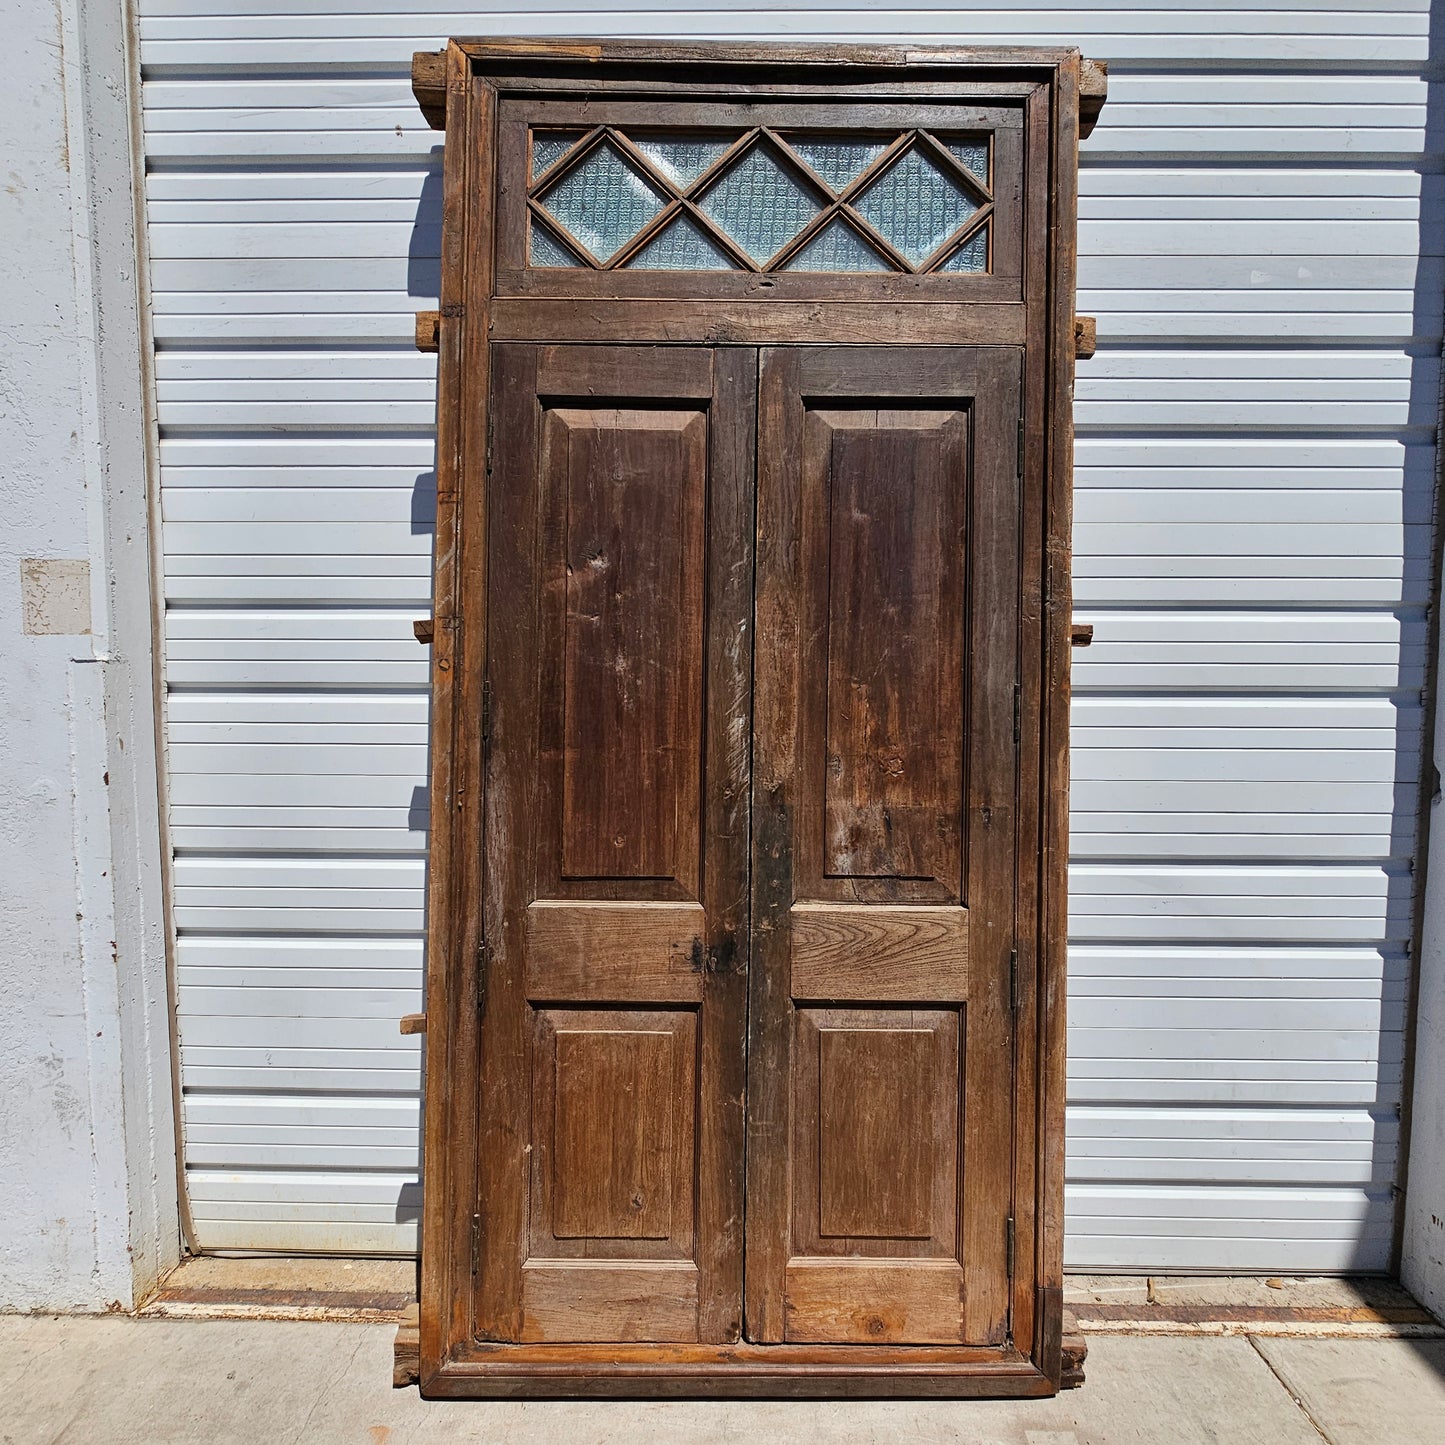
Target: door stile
{"type": "Point", "coordinates": [509, 841]}
{"type": "Point", "coordinates": [990, 1119]}
{"type": "Point", "coordinates": [775, 729]}
{"type": "Point", "coordinates": [727, 806]}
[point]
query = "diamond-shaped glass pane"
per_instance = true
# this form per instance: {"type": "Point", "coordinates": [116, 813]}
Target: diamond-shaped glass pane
{"type": "Point", "coordinates": [681, 246]}
{"type": "Point", "coordinates": [915, 206]}
{"type": "Point", "coordinates": [546, 250]}
{"type": "Point", "coordinates": [681, 158]}
{"type": "Point", "coordinates": [837, 161]}
{"type": "Point", "coordinates": [837, 247]}
{"type": "Point", "coordinates": [549, 146]}
{"type": "Point", "coordinates": [971, 256]}
{"type": "Point", "coordinates": [973, 154]}
{"type": "Point", "coordinates": [603, 201]}
{"type": "Point", "coordinates": [759, 205]}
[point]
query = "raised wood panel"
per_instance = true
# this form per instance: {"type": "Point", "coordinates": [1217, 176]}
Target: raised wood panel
{"type": "Point", "coordinates": [867, 1301]}
{"type": "Point", "coordinates": [893, 657]}
{"type": "Point", "coordinates": [614, 1134]}
{"type": "Point", "coordinates": [612, 1142]}
{"type": "Point", "coordinates": [897, 954]}
{"type": "Point", "coordinates": [635, 487]}
{"type": "Point", "coordinates": [621, 952]}
{"type": "Point", "coordinates": [872, 1086]}
{"type": "Point", "coordinates": [876, 1104]}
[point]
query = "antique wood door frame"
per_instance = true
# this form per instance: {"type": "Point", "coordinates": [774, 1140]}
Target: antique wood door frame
{"type": "Point", "coordinates": [486, 94]}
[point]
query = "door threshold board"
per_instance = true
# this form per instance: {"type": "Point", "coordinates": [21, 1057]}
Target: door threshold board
{"type": "Point", "coordinates": [741, 1370]}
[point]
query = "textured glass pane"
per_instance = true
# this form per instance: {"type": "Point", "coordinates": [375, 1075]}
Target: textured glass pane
{"type": "Point", "coordinates": [974, 155]}
{"type": "Point", "coordinates": [837, 247]}
{"type": "Point", "coordinates": [915, 206]}
{"type": "Point", "coordinates": [837, 161]}
{"type": "Point", "coordinates": [681, 158]}
{"type": "Point", "coordinates": [971, 256]}
{"type": "Point", "coordinates": [603, 201]}
{"type": "Point", "coordinates": [546, 250]}
{"type": "Point", "coordinates": [549, 146]}
{"type": "Point", "coordinates": [759, 205]}
{"type": "Point", "coordinates": [681, 247]}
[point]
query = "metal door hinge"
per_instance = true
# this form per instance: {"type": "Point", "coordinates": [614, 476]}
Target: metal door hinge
{"type": "Point", "coordinates": [486, 711]}
{"type": "Point", "coordinates": [1013, 980]}
{"type": "Point", "coordinates": [1009, 1245]}
{"type": "Point", "coordinates": [477, 1241]}
{"type": "Point", "coordinates": [481, 976]}
{"type": "Point", "coordinates": [1021, 448]}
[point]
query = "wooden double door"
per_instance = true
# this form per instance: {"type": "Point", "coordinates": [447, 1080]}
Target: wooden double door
{"type": "Point", "coordinates": [748, 857]}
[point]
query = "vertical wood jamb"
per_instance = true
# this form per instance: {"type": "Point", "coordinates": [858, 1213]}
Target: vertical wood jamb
{"type": "Point", "coordinates": [473, 350]}
{"type": "Point", "coordinates": [1054, 858]}
{"type": "Point", "coordinates": [438, 1277]}
{"type": "Point", "coordinates": [446, 1284]}
{"type": "Point", "coordinates": [1034, 417]}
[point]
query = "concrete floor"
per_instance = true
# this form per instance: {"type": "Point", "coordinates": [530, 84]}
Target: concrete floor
{"type": "Point", "coordinates": [149, 1381]}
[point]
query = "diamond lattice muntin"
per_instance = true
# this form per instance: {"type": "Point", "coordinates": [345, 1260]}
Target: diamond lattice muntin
{"type": "Point", "coordinates": [808, 201]}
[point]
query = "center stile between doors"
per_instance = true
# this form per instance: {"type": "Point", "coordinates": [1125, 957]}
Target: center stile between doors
{"type": "Point", "coordinates": [745, 1030]}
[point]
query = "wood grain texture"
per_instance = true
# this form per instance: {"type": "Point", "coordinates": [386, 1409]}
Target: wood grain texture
{"type": "Point", "coordinates": [616, 951]}
{"type": "Point", "coordinates": [937, 1019]}
{"type": "Point", "coordinates": [899, 954]}
{"type": "Point", "coordinates": [579, 1300]}
{"type": "Point", "coordinates": [635, 485]}
{"type": "Point", "coordinates": [875, 1301]}
{"type": "Point", "coordinates": [875, 1134]}
{"type": "Point", "coordinates": [614, 1139]}
{"type": "Point", "coordinates": [892, 726]}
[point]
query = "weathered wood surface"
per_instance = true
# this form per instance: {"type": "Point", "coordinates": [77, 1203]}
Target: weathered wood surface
{"type": "Point", "coordinates": [902, 765]}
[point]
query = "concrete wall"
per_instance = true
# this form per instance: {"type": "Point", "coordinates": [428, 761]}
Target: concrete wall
{"type": "Point", "coordinates": [86, 1153]}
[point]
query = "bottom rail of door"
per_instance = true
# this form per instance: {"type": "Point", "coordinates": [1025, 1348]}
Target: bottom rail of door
{"type": "Point", "coordinates": [741, 1370]}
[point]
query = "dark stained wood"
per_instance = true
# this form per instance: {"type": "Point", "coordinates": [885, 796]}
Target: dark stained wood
{"type": "Point", "coordinates": [892, 717]}
{"type": "Point", "coordinates": [617, 655]}
{"type": "Point", "coordinates": [1081, 634]}
{"type": "Point", "coordinates": [635, 484]}
{"type": "Point", "coordinates": [896, 960]}
{"type": "Point", "coordinates": [859, 734]}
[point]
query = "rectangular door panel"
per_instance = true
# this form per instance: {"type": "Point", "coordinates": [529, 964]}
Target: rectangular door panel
{"type": "Point", "coordinates": [612, 1020]}
{"type": "Point", "coordinates": [885, 765]}
{"type": "Point", "coordinates": [632, 487]}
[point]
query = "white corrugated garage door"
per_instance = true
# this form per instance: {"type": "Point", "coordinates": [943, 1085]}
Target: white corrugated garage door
{"type": "Point", "coordinates": [1252, 546]}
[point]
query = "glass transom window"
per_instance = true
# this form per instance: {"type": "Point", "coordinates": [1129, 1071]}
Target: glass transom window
{"type": "Point", "coordinates": [642, 199]}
